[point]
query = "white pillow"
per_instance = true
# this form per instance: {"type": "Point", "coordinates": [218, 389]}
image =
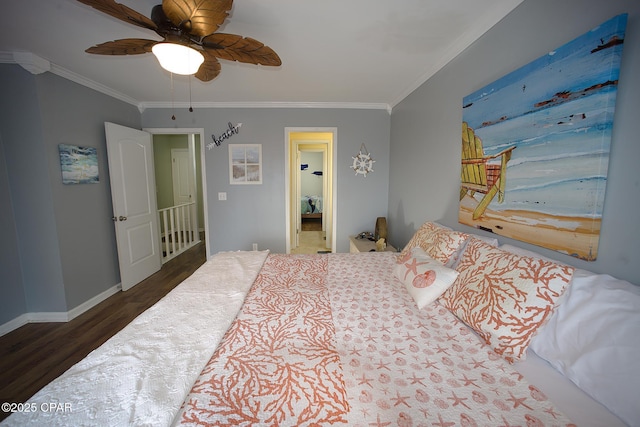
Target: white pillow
{"type": "Point", "coordinates": [593, 338]}
{"type": "Point", "coordinates": [424, 277]}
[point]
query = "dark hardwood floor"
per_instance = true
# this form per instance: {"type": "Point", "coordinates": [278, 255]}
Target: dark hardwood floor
{"type": "Point", "coordinates": [35, 354]}
{"type": "Point", "coordinates": [311, 224]}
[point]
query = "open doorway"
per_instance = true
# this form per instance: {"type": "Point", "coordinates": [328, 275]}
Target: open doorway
{"type": "Point", "coordinates": [179, 160]}
{"type": "Point", "coordinates": [310, 183]}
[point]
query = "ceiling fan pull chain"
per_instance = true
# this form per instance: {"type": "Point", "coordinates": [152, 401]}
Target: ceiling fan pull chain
{"type": "Point", "coordinates": [190, 106]}
{"type": "Point", "coordinates": [173, 111]}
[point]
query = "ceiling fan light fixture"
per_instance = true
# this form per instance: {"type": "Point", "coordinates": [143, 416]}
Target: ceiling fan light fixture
{"type": "Point", "coordinates": [178, 58]}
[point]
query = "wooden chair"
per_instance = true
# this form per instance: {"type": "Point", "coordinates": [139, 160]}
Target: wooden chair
{"type": "Point", "coordinates": [479, 174]}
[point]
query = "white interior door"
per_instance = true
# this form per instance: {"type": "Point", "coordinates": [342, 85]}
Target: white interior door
{"type": "Point", "coordinates": [182, 174]}
{"type": "Point", "coordinates": [135, 215]}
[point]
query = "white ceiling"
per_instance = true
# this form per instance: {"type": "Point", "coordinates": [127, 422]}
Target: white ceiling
{"type": "Point", "coordinates": [366, 53]}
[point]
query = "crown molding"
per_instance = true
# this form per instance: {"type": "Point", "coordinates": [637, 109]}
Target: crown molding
{"type": "Point", "coordinates": [32, 63]}
{"type": "Point", "coordinates": [81, 80]}
{"type": "Point", "coordinates": [6, 58]}
{"type": "Point", "coordinates": [336, 105]}
{"type": "Point", "coordinates": [37, 65]}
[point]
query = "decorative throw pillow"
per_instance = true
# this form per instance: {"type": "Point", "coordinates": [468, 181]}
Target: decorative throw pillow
{"type": "Point", "coordinates": [505, 297]}
{"type": "Point", "coordinates": [453, 261]}
{"type": "Point", "coordinates": [425, 278]}
{"type": "Point", "coordinates": [439, 242]}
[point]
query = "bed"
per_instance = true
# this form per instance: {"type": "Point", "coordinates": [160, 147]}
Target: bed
{"type": "Point", "coordinates": [425, 337]}
{"type": "Point", "coordinates": [311, 207]}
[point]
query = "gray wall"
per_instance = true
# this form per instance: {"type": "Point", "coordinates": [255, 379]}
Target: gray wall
{"type": "Point", "coordinates": [27, 162]}
{"type": "Point", "coordinates": [73, 114]}
{"type": "Point", "coordinates": [13, 302]}
{"type": "Point", "coordinates": [65, 237]}
{"type": "Point", "coordinates": [425, 128]}
{"type": "Point", "coordinates": [256, 213]}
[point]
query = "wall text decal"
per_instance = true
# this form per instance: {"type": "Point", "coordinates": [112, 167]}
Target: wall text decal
{"type": "Point", "coordinates": [232, 130]}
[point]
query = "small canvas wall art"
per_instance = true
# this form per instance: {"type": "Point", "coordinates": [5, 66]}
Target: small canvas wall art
{"type": "Point", "coordinates": [79, 164]}
{"type": "Point", "coordinates": [535, 145]}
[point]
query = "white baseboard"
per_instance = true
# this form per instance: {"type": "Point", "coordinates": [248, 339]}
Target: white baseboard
{"type": "Point", "coordinates": [11, 325]}
{"type": "Point", "coordinates": [73, 313]}
{"type": "Point", "coordinates": [43, 317]}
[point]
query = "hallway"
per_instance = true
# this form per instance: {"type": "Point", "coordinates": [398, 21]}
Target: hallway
{"type": "Point", "coordinates": [311, 239]}
{"type": "Point", "coordinates": [310, 243]}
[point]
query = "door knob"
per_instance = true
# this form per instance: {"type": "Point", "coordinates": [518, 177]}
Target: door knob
{"type": "Point", "coordinates": [122, 218]}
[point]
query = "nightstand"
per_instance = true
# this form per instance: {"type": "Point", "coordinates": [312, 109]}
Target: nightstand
{"type": "Point", "coordinates": [365, 245]}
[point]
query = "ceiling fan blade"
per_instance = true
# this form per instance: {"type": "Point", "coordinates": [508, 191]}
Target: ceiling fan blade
{"type": "Point", "coordinates": [209, 69]}
{"type": "Point", "coordinates": [121, 12]}
{"type": "Point", "coordinates": [242, 49]}
{"type": "Point", "coordinates": [123, 47]}
{"type": "Point", "coordinates": [197, 17]}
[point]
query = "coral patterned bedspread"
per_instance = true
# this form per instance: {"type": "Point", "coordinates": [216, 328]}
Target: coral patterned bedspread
{"type": "Point", "coordinates": [336, 339]}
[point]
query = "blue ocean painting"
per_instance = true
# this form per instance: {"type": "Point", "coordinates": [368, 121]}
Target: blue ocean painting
{"type": "Point", "coordinates": [79, 164]}
{"type": "Point", "coordinates": [557, 112]}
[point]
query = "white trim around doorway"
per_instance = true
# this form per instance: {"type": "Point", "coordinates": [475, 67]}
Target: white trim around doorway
{"type": "Point", "coordinates": [334, 191]}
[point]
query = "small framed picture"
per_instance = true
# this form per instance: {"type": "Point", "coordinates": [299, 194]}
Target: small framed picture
{"type": "Point", "coordinates": [245, 163]}
{"type": "Point", "coordinates": [79, 164]}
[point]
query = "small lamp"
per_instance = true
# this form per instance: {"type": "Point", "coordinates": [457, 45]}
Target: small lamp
{"type": "Point", "coordinates": [178, 58]}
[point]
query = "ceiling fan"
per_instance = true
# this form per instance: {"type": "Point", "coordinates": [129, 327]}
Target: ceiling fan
{"type": "Point", "coordinates": [189, 25]}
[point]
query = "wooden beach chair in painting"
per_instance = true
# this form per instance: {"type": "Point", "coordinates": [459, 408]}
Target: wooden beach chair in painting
{"type": "Point", "coordinates": [480, 173]}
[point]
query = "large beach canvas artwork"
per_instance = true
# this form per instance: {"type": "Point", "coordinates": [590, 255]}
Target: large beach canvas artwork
{"type": "Point", "coordinates": [535, 145]}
